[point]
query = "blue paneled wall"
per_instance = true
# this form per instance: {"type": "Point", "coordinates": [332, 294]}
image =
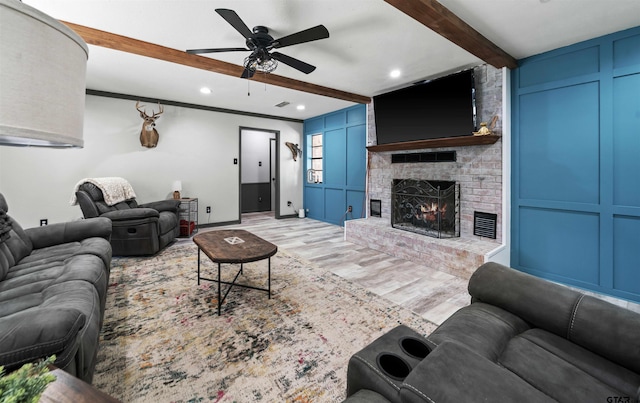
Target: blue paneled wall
{"type": "Point", "coordinates": [344, 135]}
{"type": "Point", "coordinates": [576, 165]}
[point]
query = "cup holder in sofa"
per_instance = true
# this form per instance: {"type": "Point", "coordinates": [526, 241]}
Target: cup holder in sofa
{"type": "Point", "coordinates": [414, 347]}
{"type": "Point", "coordinates": [393, 366]}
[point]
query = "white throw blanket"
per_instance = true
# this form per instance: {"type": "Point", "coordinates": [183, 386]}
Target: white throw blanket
{"type": "Point", "coordinates": [114, 189]}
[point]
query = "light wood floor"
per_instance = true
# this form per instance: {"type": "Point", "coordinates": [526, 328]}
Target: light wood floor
{"type": "Point", "coordinates": [432, 294]}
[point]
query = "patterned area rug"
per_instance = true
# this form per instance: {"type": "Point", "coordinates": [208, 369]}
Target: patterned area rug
{"type": "Point", "coordinates": [162, 339]}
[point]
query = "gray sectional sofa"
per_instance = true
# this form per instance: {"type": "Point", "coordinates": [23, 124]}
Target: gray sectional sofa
{"type": "Point", "coordinates": [53, 284]}
{"type": "Point", "coordinates": [522, 339]}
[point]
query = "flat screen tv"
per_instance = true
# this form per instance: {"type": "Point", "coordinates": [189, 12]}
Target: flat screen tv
{"type": "Point", "coordinates": [444, 107]}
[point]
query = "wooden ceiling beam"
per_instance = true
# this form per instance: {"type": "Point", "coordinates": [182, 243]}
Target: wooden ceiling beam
{"type": "Point", "coordinates": [441, 20]}
{"type": "Point", "coordinates": [125, 44]}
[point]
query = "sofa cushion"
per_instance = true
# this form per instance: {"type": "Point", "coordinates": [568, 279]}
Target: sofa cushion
{"type": "Point", "coordinates": [36, 276]}
{"type": "Point", "coordinates": [483, 328]}
{"type": "Point", "coordinates": [520, 294]}
{"type": "Point", "coordinates": [455, 373]}
{"type": "Point", "coordinates": [92, 190]}
{"type": "Point", "coordinates": [564, 370]}
{"type": "Point", "coordinates": [55, 265]}
{"type": "Point", "coordinates": [98, 247]}
{"type": "Point", "coordinates": [14, 249]}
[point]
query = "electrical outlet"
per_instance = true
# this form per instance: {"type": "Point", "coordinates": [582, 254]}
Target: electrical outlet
{"type": "Point", "coordinates": [44, 222]}
{"type": "Point", "coordinates": [288, 204]}
{"type": "Point", "coordinates": [208, 209]}
{"type": "Point", "coordinates": [350, 209]}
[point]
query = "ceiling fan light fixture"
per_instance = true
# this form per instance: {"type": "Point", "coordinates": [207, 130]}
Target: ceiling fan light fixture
{"type": "Point", "coordinates": [261, 65]}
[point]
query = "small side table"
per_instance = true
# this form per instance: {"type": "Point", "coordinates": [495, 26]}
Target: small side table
{"type": "Point", "coordinates": [188, 216]}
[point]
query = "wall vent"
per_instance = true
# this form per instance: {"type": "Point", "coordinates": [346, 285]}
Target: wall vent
{"type": "Point", "coordinates": [375, 208]}
{"type": "Point", "coordinates": [484, 224]}
{"type": "Point", "coordinates": [436, 156]}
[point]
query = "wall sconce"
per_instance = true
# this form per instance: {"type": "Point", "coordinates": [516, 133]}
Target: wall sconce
{"type": "Point", "coordinates": [177, 188]}
{"type": "Point", "coordinates": [43, 79]}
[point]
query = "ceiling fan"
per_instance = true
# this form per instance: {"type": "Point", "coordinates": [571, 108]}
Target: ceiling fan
{"type": "Point", "coordinates": [260, 44]}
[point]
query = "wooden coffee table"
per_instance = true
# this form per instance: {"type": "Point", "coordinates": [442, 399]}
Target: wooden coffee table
{"type": "Point", "coordinates": [234, 246]}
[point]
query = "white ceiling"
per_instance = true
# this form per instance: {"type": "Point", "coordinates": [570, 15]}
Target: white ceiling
{"type": "Point", "coordinates": [368, 38]}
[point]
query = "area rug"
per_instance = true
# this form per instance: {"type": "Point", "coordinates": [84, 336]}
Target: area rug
{"type": "Point", "coordinates": [162, 340]}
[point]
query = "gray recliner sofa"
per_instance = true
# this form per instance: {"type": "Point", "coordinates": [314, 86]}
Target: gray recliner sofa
{"type": "Point", "coordinates": [522, 339]}
{"type": "Point", "coordinates": [138, 229]}
{"type": "Point", "coordinates": [53, 286]}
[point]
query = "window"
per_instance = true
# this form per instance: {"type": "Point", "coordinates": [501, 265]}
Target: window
{"type": "Point", "coordinates": [315, 173]}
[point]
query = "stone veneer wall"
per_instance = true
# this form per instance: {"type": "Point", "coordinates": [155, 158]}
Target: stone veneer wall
{"type": "Point", "coordinates": [478, 169]}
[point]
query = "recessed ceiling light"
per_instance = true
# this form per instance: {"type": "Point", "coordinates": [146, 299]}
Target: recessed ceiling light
{"type": "Point", "coordinates": [205, 90]}
{"type": "Point", "coordinates": [300, 107]}
{"type": "Point", "coordinates": [394, 73]}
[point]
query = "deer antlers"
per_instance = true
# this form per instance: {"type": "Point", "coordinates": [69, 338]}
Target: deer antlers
{"type": "Point", "coordinates": [143, 113]}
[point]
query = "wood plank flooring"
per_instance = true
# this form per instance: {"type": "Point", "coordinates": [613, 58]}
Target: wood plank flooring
{"type": "Point", "coordinates": [432, 294]}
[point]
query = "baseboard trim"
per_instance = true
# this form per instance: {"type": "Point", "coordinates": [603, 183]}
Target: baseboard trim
{"type": "Point", "coordinates": [218, 224]}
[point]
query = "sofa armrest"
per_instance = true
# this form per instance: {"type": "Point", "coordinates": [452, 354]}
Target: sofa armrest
{"type": "Point", "coordinates": [163, 205]}
{"type": "Point", "coordinates": [72, 231]}
{"type": "Point", "coordinates": [39, 333]}
{"type": "Point", "coordinates": [131, 214]}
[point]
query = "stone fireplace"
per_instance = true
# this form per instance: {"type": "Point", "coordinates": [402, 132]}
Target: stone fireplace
{"type": "Point", "coordinates": [426, 207]}
{"type": "Point", "coordinates": [477, 174]}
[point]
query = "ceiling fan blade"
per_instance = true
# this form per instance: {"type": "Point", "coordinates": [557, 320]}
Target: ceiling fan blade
{"type": "Point", "coordinates": [308, 35]}
{"type": "Point", "coordinates": [234, 20]}
{"type": "Point", "coordinates": [295, 63]}
{"type": "Point", "coordinates": [215, 50]}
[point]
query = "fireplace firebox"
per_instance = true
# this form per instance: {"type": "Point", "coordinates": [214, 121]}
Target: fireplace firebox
{"type": "Point", "coordinates": [426, 207]}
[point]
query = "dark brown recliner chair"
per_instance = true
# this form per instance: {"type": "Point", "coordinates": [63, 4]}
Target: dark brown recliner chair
{"type": "Point", "coordinates": [138, 229]}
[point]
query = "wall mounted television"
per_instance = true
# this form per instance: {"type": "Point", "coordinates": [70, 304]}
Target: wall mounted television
{"type": "Point", "coordinates": [444, 107]}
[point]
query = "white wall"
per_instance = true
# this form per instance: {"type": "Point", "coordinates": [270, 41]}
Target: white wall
{"type": "Point", "coordinates": [195, 146]}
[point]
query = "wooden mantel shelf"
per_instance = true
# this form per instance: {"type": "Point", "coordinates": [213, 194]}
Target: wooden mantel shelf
{"type": "Point", "coordinates": [460, 141]}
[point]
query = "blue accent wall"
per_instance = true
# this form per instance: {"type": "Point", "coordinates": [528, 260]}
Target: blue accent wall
{"type": "Point", "coordinates": [576, 165]}
{"type": "Point", "coordinates": [344, 165]}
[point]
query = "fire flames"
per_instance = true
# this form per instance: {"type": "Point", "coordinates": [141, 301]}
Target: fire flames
{"type": "Point", "coordinates": [431, 212]}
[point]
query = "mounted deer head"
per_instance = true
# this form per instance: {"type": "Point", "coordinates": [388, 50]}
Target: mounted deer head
{"type": "Point", "coordinates": [149, 135]}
